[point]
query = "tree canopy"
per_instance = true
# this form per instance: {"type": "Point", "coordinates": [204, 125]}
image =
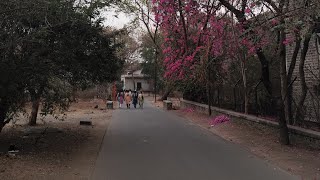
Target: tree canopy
{"type": "Point", "coordinates": [48, 48]}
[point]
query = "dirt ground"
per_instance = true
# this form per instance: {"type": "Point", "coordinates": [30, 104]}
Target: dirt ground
{"type": "Point", "coordinates": [55, 149]}
{"type": "Point", "coordinates": [302, 158]}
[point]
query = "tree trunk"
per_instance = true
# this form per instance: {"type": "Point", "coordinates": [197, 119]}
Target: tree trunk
{"type": "Point", "coordinates": [134, 83]}
{"type": "Point", "coordinates": [283, 128]}
{"type": "Point", "coordinates": [300, 112]}
{"type": "Point", "coordinates": [289, 100]}
{"type": "Point", "coordinates": [155, 76]}
{"type": "Point", "coordinates": [264, 70]}
{"type": "Point", "coordinates": [34, 112]}
{"type": "Point", "coordinates": [246, 101]}
{"type": "Point", "coordinates": [244, 79]}
{"type": "Point", "coordinates": [2, 118]}
{"type": "Point", "coordinates": [166, 94]}
{"type": "Point", "coordinates": [3, 115]}
{"type": "Point", "coordinates": [209, 92]}
{"type": "Point", "coordinates": [283, 109]}
{"type": "Point", "coordinates": [1, 126]}
{"type": "Point", "coordinates": [289, 79]}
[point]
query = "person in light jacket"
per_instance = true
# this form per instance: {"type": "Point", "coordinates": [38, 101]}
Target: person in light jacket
{"type": "Point", "coordinates": [128, 99]}
{"type": "Point", "coordinates": [140, 99]}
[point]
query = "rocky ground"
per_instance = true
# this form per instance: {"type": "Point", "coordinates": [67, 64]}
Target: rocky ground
{"type": "Point", "coordinates": [55, 149]}
{"type": "Point", "coordinates": [301, 158]}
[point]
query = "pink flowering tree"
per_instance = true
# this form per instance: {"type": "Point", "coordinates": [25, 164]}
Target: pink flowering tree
{"type": "Point", "coordinates": [198, 36]}
{"type": "Point", "coordinates": [193, 39]}
{"type": "Point", "coordinates": [184, 25]}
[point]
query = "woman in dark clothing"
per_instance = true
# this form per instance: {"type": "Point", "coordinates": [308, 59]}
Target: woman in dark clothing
{"type": "Point", "coordinates": [135, 99]}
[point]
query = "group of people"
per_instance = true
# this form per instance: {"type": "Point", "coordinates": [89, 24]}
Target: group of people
{"type": "Point", "coordinates": [129, 97]}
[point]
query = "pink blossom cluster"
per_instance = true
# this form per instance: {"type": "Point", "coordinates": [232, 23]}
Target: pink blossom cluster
{"type": "Point", "coordinates": [288, 41]}
{"type": "Point", "coordinates": [187, 30]}
{"type": "Point", "coordinates": [194, 29]}
{"type": "Point", "coordinates": [218, 120]}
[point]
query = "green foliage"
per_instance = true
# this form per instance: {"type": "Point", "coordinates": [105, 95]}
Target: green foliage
{"type": "Point", "coordinates": [148, 53]}
{"type": "Point", "coordinates": [49, 47]}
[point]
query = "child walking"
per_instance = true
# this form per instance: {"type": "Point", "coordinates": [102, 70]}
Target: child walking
{"type": "Point", "coordinates": [128, 100]}
{"type": "Point", "coordinates": [120, 99]}
{"type": "Point", "coordinates": [140, 99]}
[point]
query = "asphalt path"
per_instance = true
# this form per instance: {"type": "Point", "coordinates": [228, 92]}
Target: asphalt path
{"type": "Point", "coordinates": [152, 144]}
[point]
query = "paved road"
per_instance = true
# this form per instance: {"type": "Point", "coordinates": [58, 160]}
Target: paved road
{"type": "Point", "coordinates": [151, 144]}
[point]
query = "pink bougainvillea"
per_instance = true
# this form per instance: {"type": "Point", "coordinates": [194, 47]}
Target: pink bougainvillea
{"type": "Point", "coordinates": [247, 10]}
{"type": "Point", "coordinates": [189, 28]}
{"type": "Point", "coordinates": [218, 120]}
{"type": "Point", "coordinates": [288, 41]}
{"type": "Point", "coordinates": [194, 29]}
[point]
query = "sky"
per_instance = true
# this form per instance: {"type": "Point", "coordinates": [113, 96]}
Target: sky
{"type": "Point", "coordinates": [118, 20]}
{"type": "Point", "coordinates": [115, 19]}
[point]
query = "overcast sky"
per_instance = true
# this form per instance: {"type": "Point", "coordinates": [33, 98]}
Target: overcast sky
{"type": "Point", "coordinates": [117, 20]}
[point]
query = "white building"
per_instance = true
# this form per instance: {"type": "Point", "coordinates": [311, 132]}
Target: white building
{"type": "Point", "coordinates": [136, 81]}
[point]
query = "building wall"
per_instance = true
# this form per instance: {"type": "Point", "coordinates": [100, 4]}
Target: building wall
{"type": "Point", "coordinates": [312, 74]}
{"type": "Point", "coordinates": [146, 84]}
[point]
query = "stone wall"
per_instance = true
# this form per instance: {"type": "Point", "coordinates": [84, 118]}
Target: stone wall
{"type": "Point", "coordinates": [203, 108]}
{"type": "Point", "coordinates": [312, 74]}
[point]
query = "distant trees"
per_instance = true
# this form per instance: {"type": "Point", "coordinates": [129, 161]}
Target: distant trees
{"type": "Point", "coordinates": [148, 52]}
{"type": "Point", "coordinates": [47, 49]}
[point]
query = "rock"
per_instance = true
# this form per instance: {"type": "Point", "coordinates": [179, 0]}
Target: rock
{"type": "Point", "coordinates": [96, 107]}
{"type": "Point", "coordinates": [87, 123]}
{"type": "Point", "coordinates": [13, 152]}
{"type": "Point", "coordinates": [12, 147]}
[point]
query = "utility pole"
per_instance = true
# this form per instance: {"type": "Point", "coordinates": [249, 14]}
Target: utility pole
{"type": "Point", "coordinates": [134, 83]}
{"type": "Point", "coordinates": [155, 75]}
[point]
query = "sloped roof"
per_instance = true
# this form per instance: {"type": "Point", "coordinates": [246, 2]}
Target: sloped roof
{"type": "Point", "coordinates": [136, 73]}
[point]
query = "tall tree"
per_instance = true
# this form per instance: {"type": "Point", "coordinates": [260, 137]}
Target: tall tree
{"type": "Point", "coordinates": [56, 42]}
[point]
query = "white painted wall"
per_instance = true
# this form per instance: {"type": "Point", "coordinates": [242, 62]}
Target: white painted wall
{"type": "Point", "coordinates": [128, 84]}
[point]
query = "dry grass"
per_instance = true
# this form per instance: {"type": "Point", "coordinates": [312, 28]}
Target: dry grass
{"type": "Point", "coordinates": [65, 150]}
{"type": "Point", "coordinates": [301, 158]}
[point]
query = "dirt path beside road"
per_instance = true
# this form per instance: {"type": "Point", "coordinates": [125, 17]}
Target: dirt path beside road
{"type": "Point", "coordinates": [302, 158]}
{"type": "Point", "coordinates": [55, 149]}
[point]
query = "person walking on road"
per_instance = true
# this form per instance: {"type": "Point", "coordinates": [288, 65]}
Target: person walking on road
{"type": "Point", "coordinates": [128, 99]}
{"type": "Point", "coordinates": [135, 99]}
{"type": "Point", "coordinates": [140, 99]}
{"type": "Point", "coordinates": [130, 92]}
{"type": "Point", "coordinates": [120, 98]}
